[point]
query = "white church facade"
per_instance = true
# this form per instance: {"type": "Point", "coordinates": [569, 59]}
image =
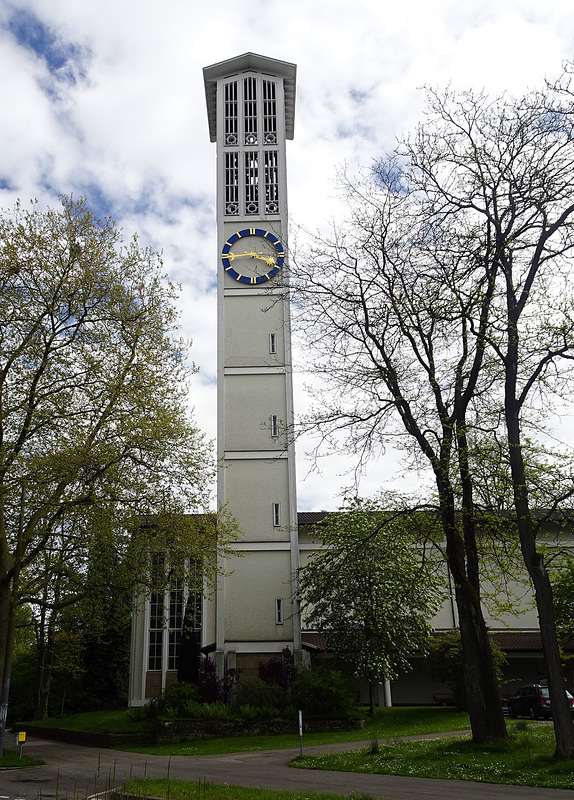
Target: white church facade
{"type": "Point", "coordinates": [252, 614]}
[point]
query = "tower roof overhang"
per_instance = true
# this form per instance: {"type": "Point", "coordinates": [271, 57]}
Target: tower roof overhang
{"type": "Point", "coordinates": [250, 62]}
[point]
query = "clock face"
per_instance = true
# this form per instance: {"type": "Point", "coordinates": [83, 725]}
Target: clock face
{"type": "Point", "coordinates": [252, 255]}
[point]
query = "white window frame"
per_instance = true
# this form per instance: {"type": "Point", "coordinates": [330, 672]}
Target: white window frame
{"type": "Point", "coordinates": [279, 611]}
{"type": "Point", "coordinates": [276, 515]}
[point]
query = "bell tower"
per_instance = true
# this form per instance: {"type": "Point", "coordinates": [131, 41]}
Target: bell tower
{"type": "Point", "coordinates": [250, 107]}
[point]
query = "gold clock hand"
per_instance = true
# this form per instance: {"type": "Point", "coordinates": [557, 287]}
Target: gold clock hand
{"type": "Point", "coordinates": [253, 254]}
{"type": "Point", "coordinates": [250, 253]}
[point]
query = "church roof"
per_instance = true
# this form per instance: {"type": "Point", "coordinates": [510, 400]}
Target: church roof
{"type": "Point", "coordinates": [250, 62]}
{"type": "Point", "coordinates": [509, 641]}
{"type": "Point", "coordinates": [311, 517]}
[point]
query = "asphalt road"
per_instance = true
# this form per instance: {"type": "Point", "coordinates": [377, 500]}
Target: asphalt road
{"type": "Point", "coordinates": [74, 772]}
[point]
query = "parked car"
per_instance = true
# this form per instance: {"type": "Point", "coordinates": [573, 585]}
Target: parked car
{"type": "Point", "coordinates": [533, 700]}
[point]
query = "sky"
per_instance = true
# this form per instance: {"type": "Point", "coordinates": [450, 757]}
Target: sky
{"type": "Point", "coordinates": [104, 99]}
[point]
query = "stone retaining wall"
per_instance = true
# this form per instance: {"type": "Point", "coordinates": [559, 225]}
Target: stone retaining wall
{"type": "Point", "coordinates": [184, 730]}
{"type": "Point", "coordinates": [169, 732]}
{"type": "Point", "coordinates": [87, 738]}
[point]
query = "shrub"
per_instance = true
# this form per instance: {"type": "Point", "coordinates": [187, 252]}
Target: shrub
{"type": "Point", "coordinates": [256, 692]}
{"type": "Point", "coordinates": [213, 688]}
{"type": "Point", "coordinates": [280, 671]}
{"type": "Point", "coordinates": [324, 694]}
{"type": "Point", "coordinates": [138, 714]}
{"type": "Point", "coordinates": [216, 711]}
{"type": "Point", "coordinates": [176, 700]}
{"type": "Point", "coordinates": [253, 713]}
{"type": "Point", "coordinates": [248, 713]}
{"type": "Point", "coordinates": [181, 698]}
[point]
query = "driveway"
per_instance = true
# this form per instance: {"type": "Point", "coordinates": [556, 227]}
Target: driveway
{"type": "Point", "coordinates": [74, 772]}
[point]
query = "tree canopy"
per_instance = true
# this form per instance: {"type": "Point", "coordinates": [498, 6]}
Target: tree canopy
{"type": "Point", "coordinates": [369, 591]}
{"type": "Point", "coordinates": [94, 416]}
{"type": "Point", "coordinates": [440, 313]}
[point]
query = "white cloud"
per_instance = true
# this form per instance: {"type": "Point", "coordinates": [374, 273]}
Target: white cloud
{"type": "Point", "coordinates": [131, 131]}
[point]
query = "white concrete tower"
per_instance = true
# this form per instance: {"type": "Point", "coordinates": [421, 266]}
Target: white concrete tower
{"type": "Point", "coordinates": [250, 106]}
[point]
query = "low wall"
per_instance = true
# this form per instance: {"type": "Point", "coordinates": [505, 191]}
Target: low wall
{"type": "Point", "coordinates": [170, 732]}
{"type": "Point", "coordinates": [184, 730]}
{"type": "Point", "coordinates": [87, 738]}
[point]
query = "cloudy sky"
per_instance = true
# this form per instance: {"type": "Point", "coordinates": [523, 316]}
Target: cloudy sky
{"type": "Point", "coordinates": [105, 99]}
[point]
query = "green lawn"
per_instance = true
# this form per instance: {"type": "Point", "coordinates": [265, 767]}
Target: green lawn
{"type": "Point", "coordinates": [96, 722]}
{"type": "Point", "coordinates": [524, 760]}
{"type": "Point", "coordinates": [11, 759]}
{"type": "Point", "coordinates": [186, 790]}
{"type": "Point", "coordinates": [387, 723]}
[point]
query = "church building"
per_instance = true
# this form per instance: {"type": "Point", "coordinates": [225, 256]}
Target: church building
{"type": "Point", "coordinates": [252, 615]}
{"type": "Point", "coordinates": [250, 108]}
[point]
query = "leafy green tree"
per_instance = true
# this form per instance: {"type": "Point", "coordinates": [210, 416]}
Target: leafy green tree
{"type": "Point", "coordinates": [563, 586]}
{"type": "Point", "coordinates": [85, 664]}
{"type": "Point", "coordinates": [369, 591]}
{"type": "Point", "coordinates": [446, 664]}
{"type": "Point", "coordinates": [93, 406]}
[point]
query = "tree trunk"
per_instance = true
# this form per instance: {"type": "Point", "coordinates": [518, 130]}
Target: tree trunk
{"type": "Point", "coordinates": [5, 605]}
{"type": "Point", "coordinates": [9, 633]}
{"type": "Point", "coordinates": [44, 670]}
{"type": "Point", "coordinates": [43, 683]}
{"type": "Point", "coordinates": [480, 681]}
{"type": "Point", "coordinates": [563, 727]}
{"type": "Point", "coordinates": [372, 692]}
{"type": "Point", "coordinates": [561, 714]}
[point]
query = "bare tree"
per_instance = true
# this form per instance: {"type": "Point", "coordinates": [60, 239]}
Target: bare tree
{"type": "Point", "coordinates": [397, 318]}
{"type": "Point", "coordinates": [444, 301]}
{"type": "Point", "coordinates": [514, 162]}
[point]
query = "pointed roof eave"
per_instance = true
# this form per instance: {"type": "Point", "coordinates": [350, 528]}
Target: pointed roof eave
{"type": "Point", "coordinates": [246, 63]}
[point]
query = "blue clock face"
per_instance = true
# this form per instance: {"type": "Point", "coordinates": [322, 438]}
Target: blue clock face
{"type": "Point", "coordinates": [252, 256]}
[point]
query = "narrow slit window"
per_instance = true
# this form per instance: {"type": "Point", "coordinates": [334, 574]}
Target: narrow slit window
{"type": "Point", "coordinates": [271, 163]}
{"type": "Point", "coordinates": [251, 182]}
{"type": "Point", "coordinates": [231, 116]}
{"type": "Point", "coordinates": [155, 650]}
{"type": "Point", "coordinates": [156, 617]}
{"type": "Point", "coordinates": [274, 426]}
{"type": "Point", "coordinates": [231, 183]}
{"type": "Point", "coordinates": [250, 110]}
{"type": "Point", "coordinates": [276, 515]}
{"type": "Point", "coordinates": [273, 343]}
{"type": "Point", "coordinates": [269, 113]}
{"type": "Point", "coordinates": [279, 611]}
{"type": "Point", "coordinates": [193, 608]}
{"type": "Point", "coordinates": [173, 649]}
{"type": "Point", "coordinates": [175, 622]}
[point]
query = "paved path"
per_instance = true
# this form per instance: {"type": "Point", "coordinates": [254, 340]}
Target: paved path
{"type": "Point", "coordinates": [73, 772]}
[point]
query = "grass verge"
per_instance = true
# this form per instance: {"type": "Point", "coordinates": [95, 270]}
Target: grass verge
{"type": "Point", "coordinates": [187, 790]}
{"type": "Point", "coordinates": [524, 759]}
{"type": "Point", "coordinates": [11, 759]}
{"type": "Point", "coordinates": [97, 722]}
